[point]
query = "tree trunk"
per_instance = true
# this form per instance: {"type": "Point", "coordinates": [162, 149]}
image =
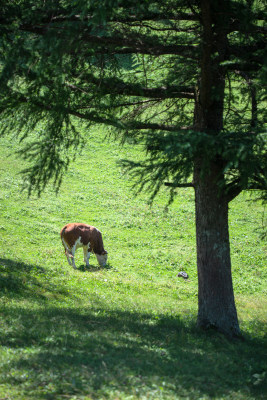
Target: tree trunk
{"type": "Point", "coordinates": [215, 296]}
{"type": "Point", "coordinates": [215, 289]}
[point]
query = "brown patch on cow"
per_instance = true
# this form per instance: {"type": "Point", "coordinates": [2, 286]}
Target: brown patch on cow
{"type": "Point", "coordinates": [88, 234]}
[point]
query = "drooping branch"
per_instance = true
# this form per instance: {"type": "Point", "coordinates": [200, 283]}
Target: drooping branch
{"type": "Point", "coordinates": [119, 87]}
{"type": "Point", "coordinates": [127, 126]}
{"type": "Point", "coordinates": [172, 28]}
{"type": "Point", "coordinates": [145, 17]}
{"type": "Point", "coordinates": [119, 45]}
{"type": "Point", "coordinates": [117, 18]}
{"type": "Point", "coordinates": [97, 118]}
{"type": "Point", "coordinates": [166, 15]}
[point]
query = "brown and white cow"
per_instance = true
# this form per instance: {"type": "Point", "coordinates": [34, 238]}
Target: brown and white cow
{"type": "Point", "coordinates": [77, 235]}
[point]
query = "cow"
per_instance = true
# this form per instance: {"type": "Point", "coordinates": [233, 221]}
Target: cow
{"type": "Point", "coordinates": [77, 235]}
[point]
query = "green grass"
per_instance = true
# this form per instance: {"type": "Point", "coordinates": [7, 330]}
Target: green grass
{"type": "Point", "coordinates": [127, 331]}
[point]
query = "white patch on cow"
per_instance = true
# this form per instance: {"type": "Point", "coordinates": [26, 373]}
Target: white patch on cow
{"type": "Point", "coordinates": [71, 252]}
{"type": "Point", "coordinates": [86, 254]}
{"type": "Point", "coordinates": [102, 259]}
{"type": "Point", "coordinates": [76, 245]}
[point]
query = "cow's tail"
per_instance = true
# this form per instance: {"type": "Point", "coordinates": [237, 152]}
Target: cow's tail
{"type": "Point", "coordinates": [63, 231]}
{"type": "Point", "coordinates": [67, 251]}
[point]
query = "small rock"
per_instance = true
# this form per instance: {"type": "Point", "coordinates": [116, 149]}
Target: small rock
{"type": "Point", "coordinates": [183, 274]}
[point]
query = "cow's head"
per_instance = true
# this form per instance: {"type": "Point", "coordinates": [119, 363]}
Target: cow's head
{"type": "Point", "coordinates": [102, 258]}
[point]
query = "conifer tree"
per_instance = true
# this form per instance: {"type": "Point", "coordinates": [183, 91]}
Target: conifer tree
{"type": "Point", "coordinates": [185, 78]}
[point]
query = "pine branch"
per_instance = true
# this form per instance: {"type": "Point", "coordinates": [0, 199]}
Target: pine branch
{"type": "Point", "coordinates": [244, 50]}
{"type": "Point", "coordinates": [117, 86]}
{"type": "Point", "coordinates": [129, 18]}
{"type": "Point", "coordinates": [179, 16]}
{"type": "Point", "coordinates": [233, 192]}
{"type": "Point", "coordinates": [119, 45]}
{"type": "Point", "coordinates": [235, 188]}
{"type": "Point", "coordinates": [242, 66]}
{"type": "Point", "coordinates": [179, 185]}
{"type": "Point", "coordinates": [94, 117]}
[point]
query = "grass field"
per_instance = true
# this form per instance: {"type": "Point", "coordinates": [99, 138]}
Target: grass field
{"type": "Point", "coordinates": [126, 331]}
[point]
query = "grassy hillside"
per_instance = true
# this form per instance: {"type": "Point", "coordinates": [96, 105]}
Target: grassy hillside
{"type": "Point", "coordinates": [126, 331]}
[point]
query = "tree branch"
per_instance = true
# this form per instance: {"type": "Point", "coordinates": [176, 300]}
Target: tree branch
{"type": "Point", "coordinates": [251, 66]}
{"type": "Point", "coordinates": [254, 106]}
{"type": "Point", "coordinates": [234, 188]}
{"type": "Point", "coordinates": [244, 50]}
{"type": "Point", "coordinates": [179, 16]}
{"type": "Point", "coordinates": [233, 192]}
{"type": "Point", "coordinates": [120, 45]}
{"type": "Point", "coordinates": [117, 86]}
{"type": "Point", "coordinates": [93, 117]}
{"type": "Point", "coordinates": [179, 185]}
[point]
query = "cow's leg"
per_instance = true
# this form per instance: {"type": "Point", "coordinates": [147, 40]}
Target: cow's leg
{"type": "Point", "coordinates": [68, 252]}
{"type": "Point", "coordinates": [72, 253]}
{"type": "Point", "coordinates": [86, 254]}
{"type": "Point", "coordinates": [73, 262]}
{"type": "Point", "coordinates": [76, 245]}
{"type": "Point", "coordinates": [70, 257]}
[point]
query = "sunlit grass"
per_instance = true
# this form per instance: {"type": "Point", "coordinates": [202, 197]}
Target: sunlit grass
{"type": "Point", "coordinates": [127, 331]}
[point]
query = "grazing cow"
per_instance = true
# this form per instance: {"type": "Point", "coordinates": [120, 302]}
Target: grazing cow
{"type": "Point", "coordinates": [75, 235]}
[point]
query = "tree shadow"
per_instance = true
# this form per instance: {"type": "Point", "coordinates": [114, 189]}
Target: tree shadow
{"type": "Point", "coordinates": [57, 352]}
{"type": "Point", "coordinates": [20, 280]}
{"type": "Point", "coordinates": [93, 352]}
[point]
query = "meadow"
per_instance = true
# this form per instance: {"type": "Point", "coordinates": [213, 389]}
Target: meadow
{"type": "Point", "coordinates": [128, 330]}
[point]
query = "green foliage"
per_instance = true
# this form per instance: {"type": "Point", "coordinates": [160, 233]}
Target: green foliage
{"type": "Point", "coordinates": [128, 330]}
{"type": "Point", "coordinates": [135, 67]}
{"type": "Point", "coordinates": [169, 157]}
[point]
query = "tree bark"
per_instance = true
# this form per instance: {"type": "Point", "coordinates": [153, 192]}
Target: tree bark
{"type": "Point", "coordinates": [215, 297]}
{"type": "Point", "coordinates": [216, 304]}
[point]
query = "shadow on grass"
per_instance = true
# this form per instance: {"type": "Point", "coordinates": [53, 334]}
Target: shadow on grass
{"type": "Point", "coordinates": [93, 268]}
{"type": "Point", "coordinates": [56, 353]}
{"type": "Point", "coordinates": [20, 280]}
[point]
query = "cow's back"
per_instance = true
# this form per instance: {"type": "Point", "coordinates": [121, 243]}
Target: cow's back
{"type": "Point", "coordinates": [70, 233]}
